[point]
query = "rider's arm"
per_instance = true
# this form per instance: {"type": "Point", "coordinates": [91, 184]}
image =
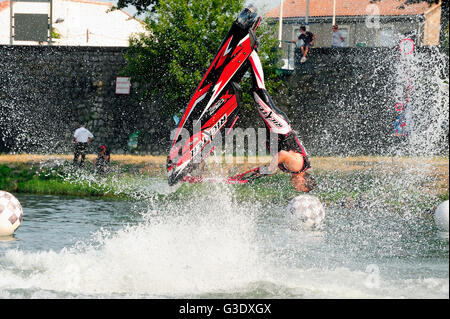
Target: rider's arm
{"type": "Point", "coordinates": [272, 167]}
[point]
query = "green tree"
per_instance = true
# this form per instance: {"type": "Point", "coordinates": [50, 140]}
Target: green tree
{"type": "Point", "coordinates": [170, 60]}
{"type": "Point", "coordinates": [140, 5]}
{"type": "Point", "coordinates": [56, 34]}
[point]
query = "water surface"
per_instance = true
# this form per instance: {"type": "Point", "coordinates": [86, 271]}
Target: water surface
{"type": "Point", "coordinates": [216, 247]}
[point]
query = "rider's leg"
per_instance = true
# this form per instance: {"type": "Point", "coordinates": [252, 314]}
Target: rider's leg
{"type": "Point", "coordinates": [275, 119]}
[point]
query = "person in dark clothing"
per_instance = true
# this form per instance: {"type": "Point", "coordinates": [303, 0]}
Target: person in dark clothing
{"type": "Point", "coordinates": [305, 41]}
{"type": "Point", "coordinates": [103, 159]}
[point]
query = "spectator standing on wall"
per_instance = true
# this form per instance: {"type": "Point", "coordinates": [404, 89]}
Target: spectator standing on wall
{"type": "Point", "coordinates": [305, 41]}
{"type": "Point", "coordinates": [337, 39]}
{"type": "Point", "coordinates": [81, 139]}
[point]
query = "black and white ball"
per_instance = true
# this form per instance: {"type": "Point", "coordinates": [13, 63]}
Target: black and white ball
{"type": "Point", "coordinates": [11, 213]}
{"type": "Point", "coordinates": [306, 212]}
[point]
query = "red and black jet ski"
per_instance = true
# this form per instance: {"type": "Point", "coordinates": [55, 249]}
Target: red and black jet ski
{"type": "Point", "coordinates": [214, 102]}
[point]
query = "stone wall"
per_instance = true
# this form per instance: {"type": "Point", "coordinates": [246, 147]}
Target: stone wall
{"type": "Point", "coordinates": [46, 92]}
{"type": "Point", "coordinates": [341, 101]}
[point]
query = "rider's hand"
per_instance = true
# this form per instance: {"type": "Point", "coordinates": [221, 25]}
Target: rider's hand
{"type": "Point", "coordinates": [264, 170]}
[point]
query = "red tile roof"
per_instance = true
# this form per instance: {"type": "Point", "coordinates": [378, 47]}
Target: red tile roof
{"type": "Point", "coordinates": [4, 5]}
{"type": "Point", "coordinates": [324, 8]}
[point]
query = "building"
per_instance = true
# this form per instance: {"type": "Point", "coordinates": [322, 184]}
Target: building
{"type": "Point", "coordinates": [77, 23]}
{"type": "Point", "coordinates": [362, 22]}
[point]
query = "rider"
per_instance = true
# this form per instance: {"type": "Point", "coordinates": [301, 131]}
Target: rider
{"type": "Point", "coordinates": [291, 157]}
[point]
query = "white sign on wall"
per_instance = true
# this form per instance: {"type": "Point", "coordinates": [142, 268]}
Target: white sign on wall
{"type": "Point", "coordinates": [123, 85]}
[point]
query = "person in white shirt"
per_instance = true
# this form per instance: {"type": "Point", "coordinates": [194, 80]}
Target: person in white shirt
{"type": "Point", "coordinates": [81, 139]}
{"type": "Point", "coordinates": [337, 40]}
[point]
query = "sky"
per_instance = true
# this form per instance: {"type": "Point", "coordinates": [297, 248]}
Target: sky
{"type": "Point", "coordinates": [262, 5]}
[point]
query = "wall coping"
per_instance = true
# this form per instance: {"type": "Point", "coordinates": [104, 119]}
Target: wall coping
{"type": "Point", "coordinates": [60, 48]}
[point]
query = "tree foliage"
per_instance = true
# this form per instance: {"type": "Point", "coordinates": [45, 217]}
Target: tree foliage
{"type": "Point", "coordinates": [170, 60]}
{"type": "Point", "coordinates": [140, 5]}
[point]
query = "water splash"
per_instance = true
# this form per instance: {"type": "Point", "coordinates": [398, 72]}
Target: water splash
{"type": "Point", "coordinates": [179, 250]}
{"type": "Point", "coordinates": [426, 97]}
{"type": "Point", "coordinates": [216, 247]}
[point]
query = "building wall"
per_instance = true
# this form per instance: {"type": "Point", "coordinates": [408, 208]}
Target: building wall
{"type": "Point", "coordinates": [358, 32]}
{"type": "Point", "coordinates": [432, 26]}
{"type": "Point", "coordinates": [4, 23]}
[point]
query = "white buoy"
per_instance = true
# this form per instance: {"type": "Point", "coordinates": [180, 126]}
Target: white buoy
{"type": "Point", "coordinates": [441, 216]}
{"type": "Point", "coordinates": [306, 212]}
{"type": "Point", "coordinates": [10, 213]}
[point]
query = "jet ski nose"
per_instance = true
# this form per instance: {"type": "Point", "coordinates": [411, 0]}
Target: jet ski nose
{"type": "Point", "coordinates": [172, 177]}
{"type": "Point", "coordinates": [171, 181]}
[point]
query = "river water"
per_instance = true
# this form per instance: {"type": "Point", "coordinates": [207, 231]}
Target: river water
{"type": "Point", "coordinates": [216, 247]}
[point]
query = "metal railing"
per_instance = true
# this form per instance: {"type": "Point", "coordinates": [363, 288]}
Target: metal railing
{"type": "Point", "coordinates": [288, 57]}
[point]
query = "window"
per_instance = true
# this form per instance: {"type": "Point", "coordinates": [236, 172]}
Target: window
{"type": "Point", "coordinates": [386, 37]}
{"type": "Point", "coordinates": [345, 34]}
{"type": "Point", "coordinates": [296, 35]}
